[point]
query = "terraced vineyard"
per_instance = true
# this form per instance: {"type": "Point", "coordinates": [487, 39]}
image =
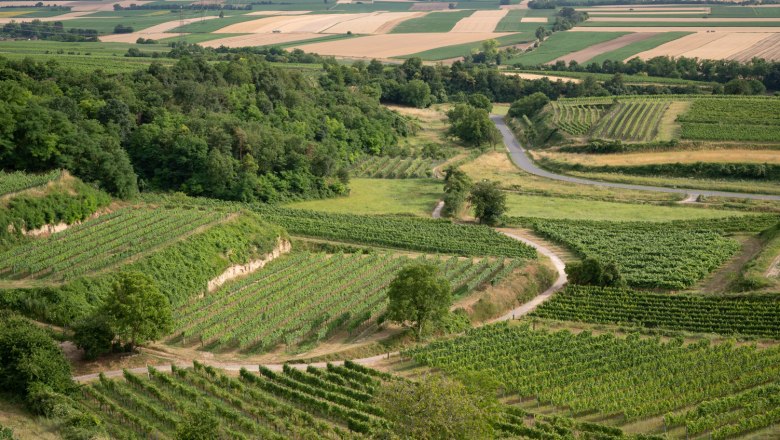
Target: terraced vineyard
{"type": "Point", "coordinates": [18, 181]}
{"type": "Point", "coordinates": [576, 118]}
{"type": "Point", "coordinates": [631, 376]}
{"type": "Point", "coordinates": [757, 315]}
{"type": "Point", "coordinates": [742, 119]}
{"type": "Point", "coordinates": [306, 297]}
{"type": "Point", "coordinates": [317, 403]}
{"type": "Point", "coordinates": [419, 234]}
{"type": "Point", "coordinates": [636, 121]}
{"type": "Point", "coordinates": [100, 243]}
{"type": "Point", "coordinates": [386, 167]}
{"type": "Point", "coordinates": [671, 255]}
{"type": "Point", "coordinates": [730, 416]}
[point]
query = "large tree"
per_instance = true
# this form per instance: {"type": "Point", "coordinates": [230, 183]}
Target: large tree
{"type": "Point", "coordinates": [457, 185]}
{"type": "Point", "coordinates": [436, 408]}
{"type": "Point", "coordinates": [419, 297]}
{"type": "Point", "coordinates": [137, 311]}
{"type": "Point", "coordinates": [472, 125]}
{"type": "Point", "coordinates": [489, 202]}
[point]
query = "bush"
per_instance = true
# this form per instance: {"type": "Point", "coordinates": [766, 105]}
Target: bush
{"type": "Point", "coordinates": [595, 273]}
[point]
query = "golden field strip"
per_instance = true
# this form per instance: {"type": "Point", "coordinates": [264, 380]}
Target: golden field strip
{"type": "Point", "coordinates": [720, 45]}
{"type": "Point", "coordinates": [649, 158]}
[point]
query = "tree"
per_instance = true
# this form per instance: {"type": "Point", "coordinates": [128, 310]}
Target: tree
{"type": "Point", "coordinates": [198, 425]}
{"type": "Point", "coordinates": [489, 202]}
{"type": "Point", "coordinates": [435, 408]}
{"type": "Point", "coordinates": [595, 273]}
{"type": "Point", "coordinates": [136, 310]}
{"type": "Point", "coordinates": [457, 185]}
{"type": "Point", "coordinates": [29, 356]}
{"type": "Point", "coordinates": [416, 93]}
{"type": "Point", "coordinates": [529, 105]}
{"type": "Point", "coordinates": [221, 14]}
{"type": "Point", "coordinates": [95, 336]}
{"type": "Point", "coordinates": [419, 297]}
{"type": "Point", "coordinates": [472, 125]}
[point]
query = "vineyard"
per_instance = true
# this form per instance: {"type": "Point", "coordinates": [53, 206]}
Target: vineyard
{"type": "Point", "coordinates": [635, 121]}
{"type": "Point", "coordinates": [632, 376]}
{"type": "Point", "coordinates": [756, 315]}
{"type": "Point", "coordinates": [729, 416]}
{"type": "Point", "coordinates": [742, 119]}
{"type": "Point", "coordinates": [671, 255]}
{"type": "Point", "coordinates": [100, 243]}
{"type": "Point", "coordinates": [576, 118]}
{"type": "Point", "coordinates": [315, 403]}
{"type": "Point", "coordinates": [425, 235]}
{"type": "Point", "coordinates": [306, 297]}
{"type": "Point", "coordinates": [386, 167]}
{"type": "Point", "coordinates": [18, 180]}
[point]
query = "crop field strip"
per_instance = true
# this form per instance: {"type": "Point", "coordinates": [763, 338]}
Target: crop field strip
{"type": "Point", "coordinates": [733, 119]}
{"type": "Point", "coordinates": [753, 315]}
{"type": "Point", "coordinates": [386, 167]}
{"type": "Point", "coordinates": [100, 243]}
{"type": "Point", "coordinates": [418, 234]}
{"type": "Point", "coordinates": [19, 181]}
{"type": "Point", "coordinates": [633, 377]}
{"type": "Point", "coordinates": [309, 296]}
{"type": "Point", "coordinates": [670, 255]}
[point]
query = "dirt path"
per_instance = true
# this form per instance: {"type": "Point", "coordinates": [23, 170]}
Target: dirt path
{"type": "Point", "coordinates": [690, 198]}
{"type": "Point", "coordinates": [437, 210]}
{"type": "Point", "coordinates": [373, 360]}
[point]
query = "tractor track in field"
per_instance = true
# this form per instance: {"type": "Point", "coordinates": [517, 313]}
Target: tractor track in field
{"type": "Point", "coordinates": [515, 313]}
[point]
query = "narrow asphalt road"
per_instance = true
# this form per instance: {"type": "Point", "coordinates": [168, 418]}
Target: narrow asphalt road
{"type": "Point", "coordinates": [521, 159]}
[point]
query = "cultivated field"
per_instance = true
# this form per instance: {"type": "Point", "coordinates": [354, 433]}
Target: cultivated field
{"type": "Point", "coordinates": [480, 21]}
{"type": "Point", "coordinates": [719, 45]}
{"type": "Point", "coordinates": [586, 54]}
{"type": "Point", "coordinates": [259, 40]}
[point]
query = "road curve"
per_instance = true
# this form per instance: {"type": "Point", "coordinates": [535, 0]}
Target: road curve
{"type": "Point", "coordinates": [524, 309]}
{"type": "Point", "coordinates": [521, 159]}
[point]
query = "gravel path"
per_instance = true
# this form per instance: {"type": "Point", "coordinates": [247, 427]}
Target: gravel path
{"type": "Point", "coordinates": [521, 159]}
{"type": "Point", "coordinates": [437, 210]}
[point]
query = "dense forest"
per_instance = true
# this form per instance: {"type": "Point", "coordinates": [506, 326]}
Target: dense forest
{"type": "Point", "coordinates": [240, 129]}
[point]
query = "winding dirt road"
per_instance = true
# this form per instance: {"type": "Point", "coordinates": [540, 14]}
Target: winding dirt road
{"type": "Point", "coordinates": [515, 313]}
{"type": "Point", "coordinates": [521, 159]}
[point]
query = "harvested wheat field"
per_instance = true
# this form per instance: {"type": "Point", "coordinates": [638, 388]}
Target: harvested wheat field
{"type": "Point", "coordinates": [696, 29]}
{"type": "Point", "coordinates": [432, 6]}
{"type": "Point", "coordinates": [684, 20]}
{"type": "Point", "coordinates": [393, 45]}
{"type": "Point", "coordinates": [480, 21]}
{"type": "Point", "coordinates": [291, 24]}
{"type": "Point", "coordinates": [583, 55]}
{"type": "Point", "coordinates": [253, 40]}
{"type": "Point", "coordinates": [376, 23]}
{"type": "Point", "coordinates": [268, 13]}
{"type": "Point", "coordinates": [636, 159]}
{"type": "Point", "coordinates": [709, 45]}
{"type": "Point", "coordinates": [156, 32]}
{"type": "Point", "coordinates": [532, 76]}
{"type": "Point", "coordinates": [533, 20]}
{"type": "Point", "coordinates": [768, 49]}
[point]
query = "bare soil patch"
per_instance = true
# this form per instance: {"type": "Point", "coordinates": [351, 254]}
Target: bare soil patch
{"type": "Point", "coordinates": [432, 6]}
{"type": "Point", "coordinates": [709, 45]}
{"type": "Point", "coordinates": [267, 13]}
{"type": "Point", "coordinates": [685, 19]}
{"type": "Point", "coordinates": [378, 23]}
{"type": "Point", "coordinates": [583, 55]}
{"type": "Point", "coordinates": [768, 49]}
{"type": "Point", "coordinates": [533, 20]}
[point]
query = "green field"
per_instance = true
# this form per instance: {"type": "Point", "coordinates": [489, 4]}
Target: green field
{"type": "Point", "coordinates": [382, 196]}
{"type": "Point", "coordinates": [206, 26]}
{"type": "Point", "coordinates": [577, 209]}
{"type": "Point", "coordinates": [511, 22]}
{"type": "Point", "coordinates": [432, 22]}
{"type": "Point", "coordinates": [661, 23]}
{"type": "Point", "coordinates": [105, 25]}
{"type": "Point", "coordinates": [560, 44]}
{"type": "Point", "coordinates": [632, 49]}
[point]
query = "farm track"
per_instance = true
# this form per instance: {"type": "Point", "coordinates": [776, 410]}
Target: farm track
{"type": "Point", "coordinates": [521, 159]}
{"type": "Point", "coordinates": [369, 361]}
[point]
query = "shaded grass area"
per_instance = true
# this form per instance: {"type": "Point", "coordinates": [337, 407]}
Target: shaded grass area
{"type": "Point", "coordinates": [575, 209]}
{"type": "Point", "coordinates": [632, 49]}
{"type": "Point", "coordinates": [562, 43]}
{"type": "Point", "coordinates": [382, 196]}
{"type": "Point", "coordinates": [432, 22]}
{"type": "Point", "coordinates": [460, 50]}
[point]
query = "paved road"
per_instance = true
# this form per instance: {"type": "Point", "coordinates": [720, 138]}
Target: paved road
{"type": "Point", "coordinates": [521, 159]}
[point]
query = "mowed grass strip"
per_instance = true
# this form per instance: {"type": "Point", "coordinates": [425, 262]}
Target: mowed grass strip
{"type": "Point", "coordinates": [433, 22]}
{"type": "Point", "coordinates": [563, 43]}
{"type": "Point", "coordinates": [630, 50]}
